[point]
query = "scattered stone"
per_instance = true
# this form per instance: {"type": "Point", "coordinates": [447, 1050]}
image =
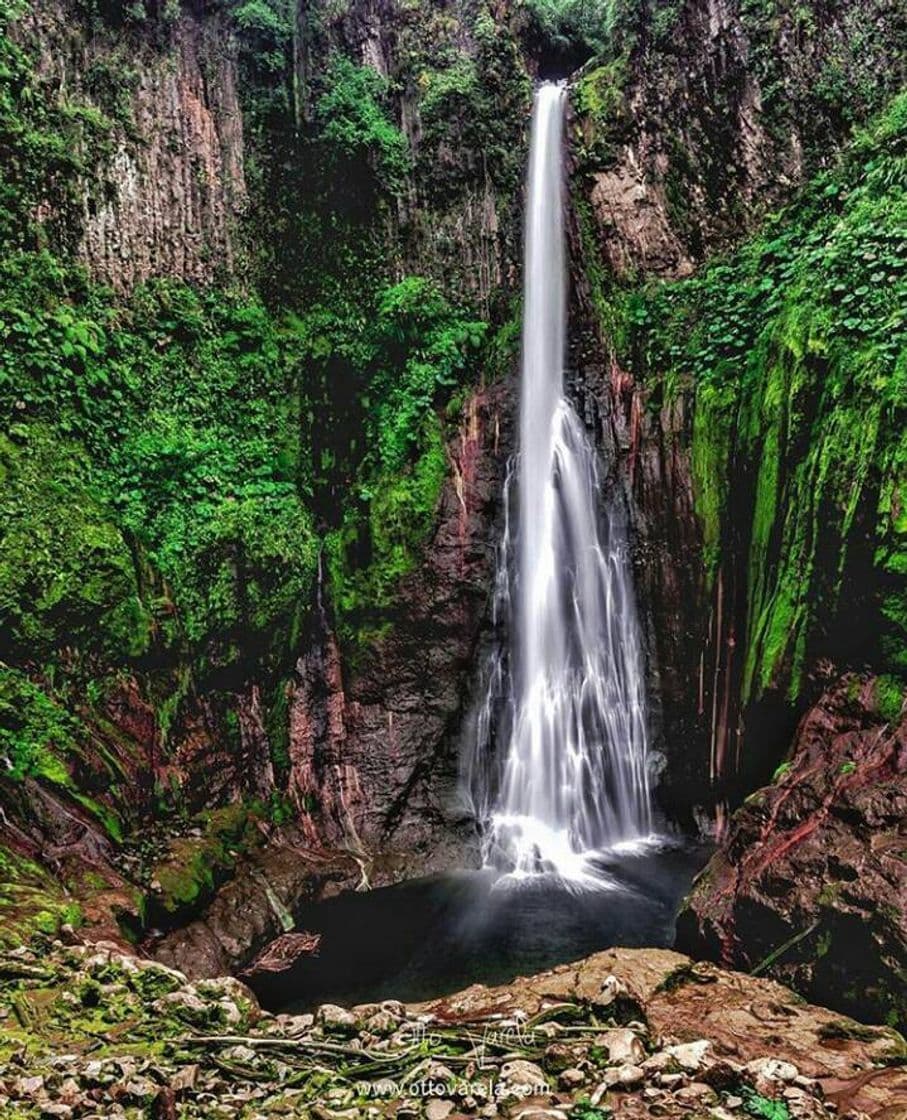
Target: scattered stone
{"type": "Point", "coordinates": [690, 1055]}
{"type": "Point", "coordinates": [334, 1018]}
{"type": "Point", "coordinates": [27, 1086]}
{"type": "Point", "coordinates": [57, 1110]}
{"type": "Point", "coordinates": [185, 1079]}
{"type": "Point", "coordinates": [630, 1076]}
{"type": "Point", "coordinates": [662, 1062]}
{"type": "Point", "coordinates": [624, 1048]}
{"type": "Point", "coordinates": [523, 1078]}
{"type": "Point", "coordinates": [572, 1078]}
{"type": "Point", "coordinates": [558, 1057]}
{"type": "Point", "coordinates": [771, 1069]}
{"type": "Point", "coordinates": [241, 1054]}
{"type": "Point", "coordinates": [611, 989]}
{"type": "Point", "coordinates": [697, 1094]}
{"type": "Point", "coordinates": [437, 1109]}
{"type": "Point", "coordinates": [141, 1089]}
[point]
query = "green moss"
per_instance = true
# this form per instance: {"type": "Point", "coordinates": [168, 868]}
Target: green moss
{"type": "Point", "coordinates": [36, 734]}
{"type": "Point", "coordinates": [32, 902]}
{"type": "Point", "coordinates": [66, 574]}
{"type": "Point", "coordinates": [794, 349]}
{"type": "Point", "coordinates": [400, 515]}
{"type": "Point", "coordinates": [598, 99]}
{"type": "Point", "coordinates": [195, 865]}
{"type": "Point", "coordinates": [889, 697]}
{"type": "Point", "coordinates": [710, 459]}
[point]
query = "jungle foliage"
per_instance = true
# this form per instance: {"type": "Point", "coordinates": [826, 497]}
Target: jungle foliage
{"type": "Point", "coordinates": [795, 348]}
{"type": "Point", "coordinates": [173, 461]}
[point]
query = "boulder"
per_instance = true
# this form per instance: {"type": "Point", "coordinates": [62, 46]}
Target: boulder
{"type": "Point", "coordinates": [809, 885]}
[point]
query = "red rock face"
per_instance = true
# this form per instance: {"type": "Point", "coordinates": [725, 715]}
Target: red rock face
{"type": "Point", "coordinates": [810, 883]}
{"type": "Point", "coordinates": [374, 752]}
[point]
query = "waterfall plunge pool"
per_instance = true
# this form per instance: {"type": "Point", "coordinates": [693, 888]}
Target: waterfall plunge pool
{"type": "Point", "coordinates": [433, 936]}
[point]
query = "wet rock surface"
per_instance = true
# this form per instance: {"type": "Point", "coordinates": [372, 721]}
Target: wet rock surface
{"type": "Point", "coordinates": [810, 882]}
{"type": "Point", "coordinates": [253, 908]}
{"type": "Point", "coordinates": [86, 1030]}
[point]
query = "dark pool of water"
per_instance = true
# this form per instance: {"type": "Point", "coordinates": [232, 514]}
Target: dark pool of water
{"type": "Point", "coordinates": [432, 936]}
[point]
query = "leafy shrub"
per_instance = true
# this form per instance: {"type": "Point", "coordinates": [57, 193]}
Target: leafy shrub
{"type": "Point", "coordinates": [67, 577]}
{"type": "Point", "coordinates": [354, 127]}
{"type": "Point", "coordinates": [35, 733]}
{"type": "Point", "coordinates": [570, 24]}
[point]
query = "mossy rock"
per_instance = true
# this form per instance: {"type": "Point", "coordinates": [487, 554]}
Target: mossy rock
{"type": "Point", "coordinates": [67, 576]}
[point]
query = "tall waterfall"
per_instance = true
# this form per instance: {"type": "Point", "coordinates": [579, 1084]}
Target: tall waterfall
{"type": "Point", "coordinates": [565, 712]}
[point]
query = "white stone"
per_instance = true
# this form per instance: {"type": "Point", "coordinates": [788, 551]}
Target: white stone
{"type": "Point", "coordinates": [691, 1055]}
{"type": "Point", "coordinates": [774, 1069]}
{"type": "Point", "coordinates": [630, 1076]}
{"type": "Point", "coordinates": [332, 1017]}
{"type": "Point", "coordinates": [523, 1078]}
{"type": "Point", "coordinates": [437, 1109]}
{"type": "Point", "coordinates": [624, 1048]}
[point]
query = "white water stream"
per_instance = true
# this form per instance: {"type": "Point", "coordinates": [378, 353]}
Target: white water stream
{"type": "Point", "coordinates": [565, 715]}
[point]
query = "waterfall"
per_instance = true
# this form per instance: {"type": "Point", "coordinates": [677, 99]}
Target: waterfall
{"type": "Point", "coordinates": [560, 766]}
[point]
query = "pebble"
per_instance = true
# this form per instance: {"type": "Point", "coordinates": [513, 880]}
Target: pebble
{"type": "Point", "coordinates": [184, 1079]}
{"type": "Point", "coordinates": [334, 1018]}
{"type": "Point", "coordinates": [523, 1077]}
{"type": "Point", "coordinates": [690, 1055]}
{"type": "Point", "coordinates": [697, 1094]}
{"type": "Point", "coordinates": [610, 990]}
{"type": "Point", "coordinates": [58, 1110]}
{"type": "Point", "coordinates": [624, 1048]}
{"type": "Point", "coordinates": [572, 1078]}
{"type": "Point", "coordinates": [773, 1069]}
{"type": "Point", "coordinates": [630, 1076]}
{"type": "Point", "coordinates": [27, 1086]}
{"type": "Point", "coordinates": [141, 1089]}
{"type": "Point", "coordinates": [437, 1109]}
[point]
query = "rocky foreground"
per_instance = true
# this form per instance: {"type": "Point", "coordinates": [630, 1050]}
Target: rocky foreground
{"type": "Point", "coordinates": [86, 1030]}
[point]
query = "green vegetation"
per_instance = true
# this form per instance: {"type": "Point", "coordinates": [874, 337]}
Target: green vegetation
{"type": "Point", "coordinates": [889, 697]}
{"type": "Point", "coordinates": [47, 144]}
{"type": "Point", "coordinates": [162, 431]}
{"type": "Point", "coordinates": [195, 865]}
{"type": "Point", "coordinates": [468, 108]}
{"type": "Point", "coordinates": [31, 902]}
{"type": "Point", "coordinates": [570, 24]}
{"type": "Point", "coordinates": [598, 98]}
{"type": "Point", "coordinates": [174, 460]}
{"type": "Point", "coordinates": [416, 352]}
{"type": "Point", "coordinates": [754, 1104]}
{"type": "Point", "coordinates": [35, 733]}
{"type": "Point", "coordinates": [353, 126]}
{"type": "Point", "coordinates": [845, 83]}
{"type": "Point", "coordinates": [795, 350]}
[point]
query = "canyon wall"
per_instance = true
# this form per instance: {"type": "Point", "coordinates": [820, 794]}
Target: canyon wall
{"type": "Point", "coordinates": [768, 544]}
{"type": "Point", "coordinates": [213, 750]}
{"type": "Point", "coordinates": [288, 628]}
{"type": "Point", "coordinates": [698, 124]}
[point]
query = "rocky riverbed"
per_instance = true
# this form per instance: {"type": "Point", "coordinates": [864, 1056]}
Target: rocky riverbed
{"type": "Point", "coordinates": [88, 1031]}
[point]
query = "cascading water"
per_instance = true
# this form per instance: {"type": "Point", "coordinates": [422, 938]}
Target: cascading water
{"type": "Point", "coordinates": [568, 695]}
